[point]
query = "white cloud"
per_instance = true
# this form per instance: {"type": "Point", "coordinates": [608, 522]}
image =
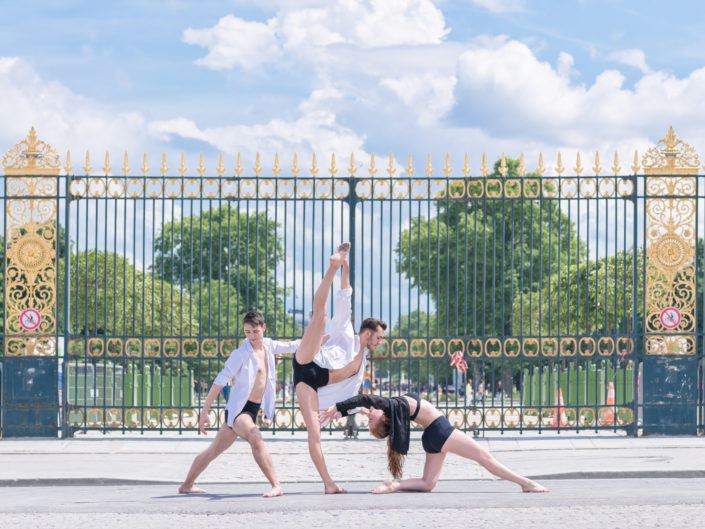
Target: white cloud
{"type": "Point", "coordinates": [631, 57]}
{"type": "Point", "coordinates": [430, 96]}
{"type": "Point", "coordinates": [507, 89]}
{"type": "Point", "coordinates": [316, 130]}
{"type": "Point", "coordinates": [235, 42]}
{"type": "Point", "coordinates": [64, 119]}
{"type": "Point", "coordinates": [303, 32]}
{"type": "Point", "coordinates": [501, 6]}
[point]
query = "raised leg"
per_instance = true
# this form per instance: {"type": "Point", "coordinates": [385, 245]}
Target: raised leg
{"type": "Point", "coordinates": [224, 438]}
{"type": "Point", "coordinates": [247, 429]}
{"type": "Point", "coordinates": [311, 340]}
{"type": "Point", "coordinates": [431, 473]}
{"type": "Point", "coordinates": [461, 444]}
{"type": "Point", "coordinates": [308, 401]}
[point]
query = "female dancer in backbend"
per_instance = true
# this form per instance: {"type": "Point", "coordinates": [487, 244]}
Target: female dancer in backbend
{"type": "Point", "coordinates": [390, 417]}
{"type": "Point", "coordinates": [325, 365]}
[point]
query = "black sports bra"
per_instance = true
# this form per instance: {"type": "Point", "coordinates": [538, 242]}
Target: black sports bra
{"type": "Point", "coordinates": [418, 404]}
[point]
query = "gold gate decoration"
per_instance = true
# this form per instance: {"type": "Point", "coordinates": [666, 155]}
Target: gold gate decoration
{"type": "Point", "coordinates": [670, 171]}
{"type": "Point", "coordinates": [31, 169]}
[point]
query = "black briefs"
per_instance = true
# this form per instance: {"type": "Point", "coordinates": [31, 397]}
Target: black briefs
{"type": "Point", "coordinates": [310, 374]}
{"type": "Point", "coordinates": [436, 435]}
{"type": "Point", "coordinates": [251, 409]}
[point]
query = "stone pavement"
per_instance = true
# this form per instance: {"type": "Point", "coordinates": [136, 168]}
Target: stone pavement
{"type": "Point", "coordinates": [47, 484]}
{"type": "Point", "coordinates": [95, 459]}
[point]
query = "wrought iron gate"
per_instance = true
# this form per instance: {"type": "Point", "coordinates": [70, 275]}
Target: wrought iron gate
{"type": "Point", "coordinates": [516, 300]}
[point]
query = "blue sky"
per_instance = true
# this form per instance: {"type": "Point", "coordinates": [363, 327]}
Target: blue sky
{"type": "Point", "coordinates": [353, 75]}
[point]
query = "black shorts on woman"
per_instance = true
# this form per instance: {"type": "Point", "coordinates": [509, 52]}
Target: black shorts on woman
{"type": "Point", "coordinates": [310, 374]}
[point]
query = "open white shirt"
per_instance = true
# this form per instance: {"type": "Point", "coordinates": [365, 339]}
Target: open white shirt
{"type": "Point", "coordinates": [339, 351]}
{"type": "Point", "coordinates": [242, 365]}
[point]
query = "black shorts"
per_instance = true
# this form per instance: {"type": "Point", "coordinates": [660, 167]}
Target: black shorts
{"type": "Point", "coordinates": [310, 374]}
{"type": "Point", "coordinates": [251, 409]}
{"type": "Point", "coordinates": [436, 435]}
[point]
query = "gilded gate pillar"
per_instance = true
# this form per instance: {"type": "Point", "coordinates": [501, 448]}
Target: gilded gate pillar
{"type": "Point", "coordinates": [670, 365]}
{"type": "Point", "coordinates": [30, 397]}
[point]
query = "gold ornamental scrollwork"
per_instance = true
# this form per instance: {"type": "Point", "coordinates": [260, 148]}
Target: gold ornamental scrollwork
{"type": "Point", "coordinates": [31, 234]}
{"type": "Point", "coordinates": [31, 156]}
{"type": "Point", "coordinates": [670, 244]}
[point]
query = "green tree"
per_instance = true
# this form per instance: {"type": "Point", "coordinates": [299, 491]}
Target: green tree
{"type": "Point", "coordinates": [109, 296]}
{"type": "Point", "coordinates": [585, 298]}
{"type": "Point", "coordinates": [474, 256]}
{"type": "Point", "coordinates": [227, 260]}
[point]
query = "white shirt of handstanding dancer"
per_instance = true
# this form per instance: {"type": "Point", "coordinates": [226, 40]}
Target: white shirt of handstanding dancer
{"type": "Point", "coordinates": [339, 350]}
{"type": "Point", "coordinates": [242, 364]}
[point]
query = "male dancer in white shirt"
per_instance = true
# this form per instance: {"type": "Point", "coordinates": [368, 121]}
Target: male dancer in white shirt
{"type": "Point", "coordinates": [319, 380]}
{"type": "Point", "coordinates": [253, 367]}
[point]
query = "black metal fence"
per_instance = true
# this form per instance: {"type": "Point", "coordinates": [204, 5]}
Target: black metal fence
{"type": "Point", "coordinates": [515, 301]}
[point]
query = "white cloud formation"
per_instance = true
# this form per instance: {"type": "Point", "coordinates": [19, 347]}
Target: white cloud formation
{"type": "Point", "coordinates": [507, 88]}
{"type": "Point", "coordinates": [631, 57]}
{"type": "Point", "coordinates": [303, 32]}
{"type": "Point", "coordinates": [235, 42]}
{"type": "Point", "coordinates": [429, 96]}
{"type": "Point", "coordinates": [315, 131]}
{"type": "Point", "coordinates": [501, 6]}
{"type": "Point", "coordinates": [64, 119]}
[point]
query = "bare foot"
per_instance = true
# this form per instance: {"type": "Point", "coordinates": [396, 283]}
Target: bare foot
{"type": "Point", "coordinates": [384, 488]}
{"type": "Point", "coordinates": [340, 254]}
{"type": "Point", "coordinates": [532, 486]}
{"type": "Point", "coordinates": [183, 489]}
{"type": "Point", "coordinates": [276, 491]}
{"type": "Point", "coordinates": [334, 489]}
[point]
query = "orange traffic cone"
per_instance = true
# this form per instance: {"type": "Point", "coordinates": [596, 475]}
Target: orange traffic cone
{"type": "Point", "coordinates": [558, 411]}
{"type": "Point", "coordinates": [608, 417]}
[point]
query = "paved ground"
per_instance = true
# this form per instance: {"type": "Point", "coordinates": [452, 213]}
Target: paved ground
{"type": "Point", "coordinates": [596, 481]}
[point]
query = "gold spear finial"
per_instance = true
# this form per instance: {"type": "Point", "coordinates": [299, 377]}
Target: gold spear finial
{"type": "Point", "coordinates": [352, 169]}
{"type": "Point", "coordinates": [276, 170]}
{"type": "Point", "coordinates": [429, 168]}
{"type": "Point", "coordinates": [635, 165]}
{"type": "Point", "coordinates": [314, 166]}
{"type": "Point", "coordinates": [615, 167]}
{"type": "Point", "coordinates": [410, 167]}
{"type": "Point", "coordinates": [106, 167]}
{"type": "Point", "coordinates": [503, 169]}
{"type": "Point", "coordinates": [87, 168]}
{"type": "Point", "coordinates": [125, 166]}
{"type": "Point", "coordinates": [221, 168]}
{"type": "Point", "coordinates": [163, 169]}
{"type": "Point", "coordinates": [596, 168]}
{"type": "Point", "coordinates": [522, 166]}
{"type": "Point", "coordinates": [182, 166]}
{"type": "Point", "coordinates": [390, 168]}
{"type": "Point", "coordinates": [258, 166]}
{"type": "Point", "coordinates": [484, 169]}
{"type": "Point", "coordinates": [238, 168]}
{"type": "Point", "coordinates": [67, 165]}
{"type": "Point", "coordinates": [578, 167]}
{"type": "Point", "coordinates": [295, 170]}
{"type": "Point", "coordinates": [559, 166]}
{"type": "Point", "coordinates": [333, 169]}
{"type": "Point", "coordinates": [447, 170]}
{"type": "Point", "coordinates": [201, 167]}
{"type": "Point", "coordinates": [540, 169]}
{"type": "Point", "coordinates": [145, 167]}
{"type": "Point", "coordinates": [372, 169]}
{"type": "Point", "coordinates": [466, 166]}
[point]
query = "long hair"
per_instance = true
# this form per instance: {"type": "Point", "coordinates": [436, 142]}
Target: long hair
{"type": "Point", "coordinates": [395, 460]}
